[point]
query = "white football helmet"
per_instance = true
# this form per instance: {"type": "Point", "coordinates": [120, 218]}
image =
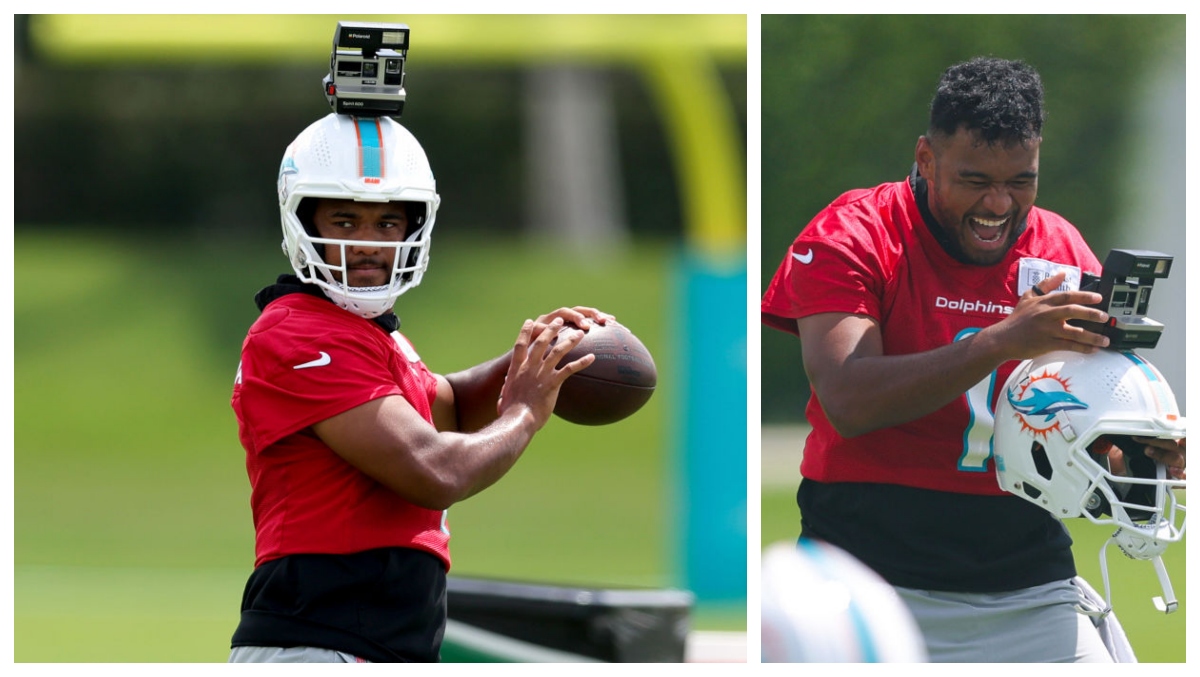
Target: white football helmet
{"type": "Point", "coordinates": [1053, 408]}
{"type": "Point", "coordinates": [365, 159]}
{"type": "Point", "coordinates": [822, 605]}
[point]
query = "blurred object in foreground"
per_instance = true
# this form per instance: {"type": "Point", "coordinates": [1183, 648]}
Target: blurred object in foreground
{"type": "Point", "coordinates": [821, 605]}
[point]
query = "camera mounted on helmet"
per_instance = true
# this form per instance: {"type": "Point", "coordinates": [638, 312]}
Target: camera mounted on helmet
{"type": "Point", "coordinates": [366, 69]}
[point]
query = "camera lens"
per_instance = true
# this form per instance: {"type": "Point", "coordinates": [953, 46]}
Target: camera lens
{"type": "Point", "coordinates": [393, 66]}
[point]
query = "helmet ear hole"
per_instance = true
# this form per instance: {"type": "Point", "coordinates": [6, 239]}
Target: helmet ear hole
{"type": "Point", "coordinates": [1041, 462]}
{"type": "Point", "coordinates": [306, 211]}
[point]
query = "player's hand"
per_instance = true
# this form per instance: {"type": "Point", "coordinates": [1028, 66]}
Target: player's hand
{"type": "Point", "coordinates": [580, 316]}
{"type": "Point", "coordinates": [1171, 453]}
{"type": "Point", "coordinates": [1038, 324]}
{"type": "Point", "coordinates": [533, 378]}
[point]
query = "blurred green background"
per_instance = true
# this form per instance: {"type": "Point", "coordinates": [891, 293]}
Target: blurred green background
{"type": "Point", "coordinates": [844, 99]}
{"type": "Point", "coordinates": [146, 219]}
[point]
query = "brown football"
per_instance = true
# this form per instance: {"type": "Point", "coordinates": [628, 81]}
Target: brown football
{"type": "Point", "coordinates": [618, 383]}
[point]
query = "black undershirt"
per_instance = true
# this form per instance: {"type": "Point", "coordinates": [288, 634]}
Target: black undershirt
{"type": "Point", "coordinates": [936, 540]}
{"type": "Point", "coordinates": [385, 605]}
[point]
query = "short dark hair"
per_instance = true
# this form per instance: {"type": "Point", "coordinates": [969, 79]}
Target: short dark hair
{"type": "Point", "coordinates": [998, 99]}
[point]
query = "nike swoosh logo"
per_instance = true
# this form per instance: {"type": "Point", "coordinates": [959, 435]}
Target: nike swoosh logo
{"type": "Point", "coordinates": [319, 362]}
{"type": "Point", "coordinates": [804, 258]}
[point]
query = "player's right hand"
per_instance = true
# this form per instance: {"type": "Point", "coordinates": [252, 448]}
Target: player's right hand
{"type": "Point", "coordinates": [533, 379]}
{"type": "Point", "coordinates": [1038, 324]}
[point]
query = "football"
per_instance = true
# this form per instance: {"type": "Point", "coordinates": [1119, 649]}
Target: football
{"type": "Point", "coordinates": [618, 383]}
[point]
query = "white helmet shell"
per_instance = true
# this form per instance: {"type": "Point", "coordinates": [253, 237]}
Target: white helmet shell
{"type": "Point", "coordinates": [822, 605]}
{"type": "Point", "coordinates": [364, 159]}
{"type": "Point", "coordinates": [1054, 407]}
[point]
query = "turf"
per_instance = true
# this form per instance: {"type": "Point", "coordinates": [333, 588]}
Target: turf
{"type": "Point", "coordinates": [132, 533]}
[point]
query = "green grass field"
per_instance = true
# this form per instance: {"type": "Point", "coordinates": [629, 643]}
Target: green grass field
{"type": "Point", "coordinates": [132, 531]}
{"type": "Point", "coordinates": [1156, 637]}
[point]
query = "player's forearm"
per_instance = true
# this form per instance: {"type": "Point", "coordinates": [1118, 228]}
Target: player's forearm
{"type": "Point", "coordinates": [871, 393]}
{"type": "Point", "coordinates": [460, 465]}
{"type": "Point", "coordinates": [476, 391]}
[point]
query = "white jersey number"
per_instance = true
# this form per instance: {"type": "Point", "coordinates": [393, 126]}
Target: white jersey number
{"type": "Point", "coordinates": [977, 438]}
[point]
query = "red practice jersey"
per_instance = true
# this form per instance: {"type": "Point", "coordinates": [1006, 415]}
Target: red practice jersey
{"type": "Point", "coordinates": [870, 253]}
{"type": "Point", "coordinates": [303, 361]}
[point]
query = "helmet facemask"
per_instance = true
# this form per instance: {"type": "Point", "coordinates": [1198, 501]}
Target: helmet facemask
{"type": "Point", "coordinates": [409, 259]}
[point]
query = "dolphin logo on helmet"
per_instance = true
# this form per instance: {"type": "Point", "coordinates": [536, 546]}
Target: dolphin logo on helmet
{"type": "Point", "coordinates": [1045, 403]}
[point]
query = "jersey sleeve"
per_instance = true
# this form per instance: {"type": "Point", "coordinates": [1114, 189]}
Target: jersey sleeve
{"type": "Point", "coordinates": [831, 267]}
{"type": "Point", "coordinates": [291, 379]}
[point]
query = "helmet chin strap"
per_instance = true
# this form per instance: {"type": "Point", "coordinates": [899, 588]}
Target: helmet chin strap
{"type": "Point", "coordinates": [1167, 603]}
{"type": "Point", "coordinates": [1094, 611]}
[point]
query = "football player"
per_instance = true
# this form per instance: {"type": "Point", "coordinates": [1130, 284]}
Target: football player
{"type": "Point", "coordinates": [354, 448]}
{"type": "Point", "coordinates": [912, 301]}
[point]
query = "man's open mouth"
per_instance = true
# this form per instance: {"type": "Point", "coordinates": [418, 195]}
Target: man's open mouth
{"type": "Point", "coordinates": [987, 231]}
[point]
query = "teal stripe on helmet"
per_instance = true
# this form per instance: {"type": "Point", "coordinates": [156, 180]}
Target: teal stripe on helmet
{"type": "Point", "coordinates": [370, 148]}
{"type": "Point", "coordinates": [858, 620]}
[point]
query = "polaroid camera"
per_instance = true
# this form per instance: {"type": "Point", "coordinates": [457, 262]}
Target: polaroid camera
{"type": "Point", "coordinates": [1125, 283]}
{"type": "Point", "coordinates": [366, 69]}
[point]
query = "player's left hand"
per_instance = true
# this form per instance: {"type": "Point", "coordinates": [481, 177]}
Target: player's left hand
{"type": "Point", "coordinates": [580, 316]}
{"type": "Point", "coordinates": [533, 379]}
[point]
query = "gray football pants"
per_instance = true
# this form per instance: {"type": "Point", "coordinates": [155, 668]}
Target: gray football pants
{"type": "Point", "coordinates": [291, 654]}
{"type": "Point", "coordinates": [1033, 625]}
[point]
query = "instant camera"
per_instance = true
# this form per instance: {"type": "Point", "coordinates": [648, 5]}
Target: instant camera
{"type": "Point", "coordinates": [1125, 283]}
{"type": "Point", "coordinates": [366, 69]}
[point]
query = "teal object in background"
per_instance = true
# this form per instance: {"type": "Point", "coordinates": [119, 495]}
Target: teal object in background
{"type": "Point", "coordinates": [710, 450]}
